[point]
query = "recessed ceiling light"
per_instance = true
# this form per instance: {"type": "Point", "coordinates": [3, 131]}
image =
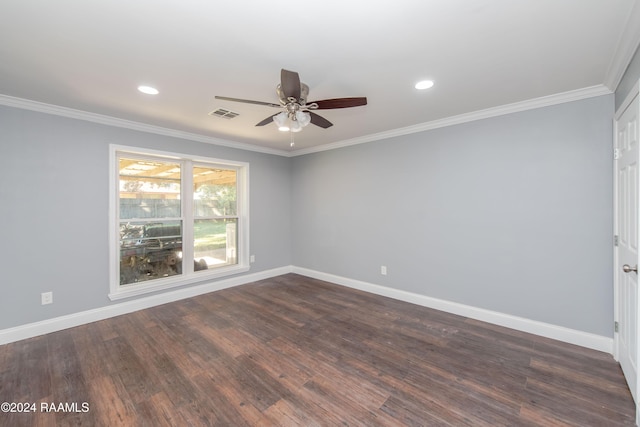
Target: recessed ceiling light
{"type": "Point", "coordinates": [148, 90]}
{"type": "Point", "coordinates": [424, 84]}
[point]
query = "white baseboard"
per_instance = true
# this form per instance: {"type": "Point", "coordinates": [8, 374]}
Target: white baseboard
{"type": "Point", "coordinates": [560, 333]}
{"type": "Point", "coordinates": [571, 336]}
{"type": "Point", "coordinates": [69, 321]}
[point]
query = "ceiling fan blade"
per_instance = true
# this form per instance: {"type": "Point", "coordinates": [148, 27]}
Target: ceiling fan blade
{"type": "Point", "coordinates": [320, 121]}
{"type": "Point", "coordinates": [267, 120]}
{"type": "Point", "coordinates": [290, 84]}
{"type": "Point", "coordinates": [248, 101]}
{"type": "Point", "coordinates": [327, 104]}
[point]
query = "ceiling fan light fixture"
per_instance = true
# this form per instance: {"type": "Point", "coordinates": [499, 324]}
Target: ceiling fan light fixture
{"type": "Point", "coordinates": [295, 126]}
{"type": "Point", "coordinates": [303, 118]}
{"type": "Point", "coordinates": [281, 120]}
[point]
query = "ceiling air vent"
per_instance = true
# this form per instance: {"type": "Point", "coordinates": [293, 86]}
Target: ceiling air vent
{"type": "Point", "coordinates": [226, 114]}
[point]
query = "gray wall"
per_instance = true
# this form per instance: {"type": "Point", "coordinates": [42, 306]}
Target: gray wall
{"type": "Point", "coordinates": [511, 214]}
{"type": "Point", "coordinates": [629, 79]}
{"type": "Point", "coordinates": [54, 210]}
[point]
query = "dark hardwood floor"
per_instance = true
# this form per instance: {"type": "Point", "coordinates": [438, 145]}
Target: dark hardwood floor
{"type": "Point", "coordinates": [295, 351]}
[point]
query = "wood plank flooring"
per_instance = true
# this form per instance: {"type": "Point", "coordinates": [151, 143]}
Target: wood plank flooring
{"type": "Point", "coordinates": [295, 351]}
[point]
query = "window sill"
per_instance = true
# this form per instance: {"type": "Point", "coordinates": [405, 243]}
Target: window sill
{"type": "Point", "coordinates": [127, 291]}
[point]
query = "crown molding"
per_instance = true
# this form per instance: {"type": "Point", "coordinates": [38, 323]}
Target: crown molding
{"type": "Point", "coordinates": [545, 101]}
{"type": "Point", "coordinates": [626, 48]}
{"type": "Point", "coordinates": [57, 110]}
{"type": "Point", "coordinates": [531, 104]}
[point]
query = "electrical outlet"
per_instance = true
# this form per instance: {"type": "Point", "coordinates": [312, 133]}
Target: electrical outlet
{"type": "Point", "coordinates": [47, 298]}
{"type": "Point", "coordinates": [383, 270]}
{"type": "Point", "coordinates": [252, 258]}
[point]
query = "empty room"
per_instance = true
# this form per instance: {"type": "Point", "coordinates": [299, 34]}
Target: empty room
{"type": "Point", "coordinates": [390, 213]}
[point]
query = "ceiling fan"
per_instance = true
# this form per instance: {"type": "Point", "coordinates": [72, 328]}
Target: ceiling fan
{"type": "Point", "coordinates": [296, 112]}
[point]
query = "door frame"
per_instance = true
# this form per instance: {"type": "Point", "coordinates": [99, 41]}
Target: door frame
{"type": "Point", "coordinates": [635, 91]}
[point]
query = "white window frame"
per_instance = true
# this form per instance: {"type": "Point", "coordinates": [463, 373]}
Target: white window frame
{"type": "Point", "coordinates": [188, 276]}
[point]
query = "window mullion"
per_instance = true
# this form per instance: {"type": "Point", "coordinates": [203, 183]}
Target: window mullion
{"type": "Point", "coordinates": [187, 216]}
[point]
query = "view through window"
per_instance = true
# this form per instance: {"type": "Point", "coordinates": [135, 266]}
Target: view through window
{"type": "Point", "coordinates": [175, 217]}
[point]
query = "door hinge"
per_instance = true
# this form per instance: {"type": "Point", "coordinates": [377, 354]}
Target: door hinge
{"type": "Point", "coordinates": [616, 153]}
{"type": "Point", "coordinates": [616, 326]}
{"type": "Point", "coordinates": [616, 240]}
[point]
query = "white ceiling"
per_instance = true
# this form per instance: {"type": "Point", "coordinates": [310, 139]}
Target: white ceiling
{"type": "Point", "coordinates": [90, 55]}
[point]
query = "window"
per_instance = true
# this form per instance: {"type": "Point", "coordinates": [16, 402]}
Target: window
{"type": "Point", "coordinates": [175, 220]}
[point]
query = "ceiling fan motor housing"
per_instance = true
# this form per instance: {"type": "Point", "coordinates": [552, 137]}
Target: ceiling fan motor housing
{"type": "Point", "coordinates": [284, 100]}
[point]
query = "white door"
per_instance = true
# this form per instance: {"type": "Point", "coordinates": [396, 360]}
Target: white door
{"type": "Point", "coordinates": [626, 251]}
